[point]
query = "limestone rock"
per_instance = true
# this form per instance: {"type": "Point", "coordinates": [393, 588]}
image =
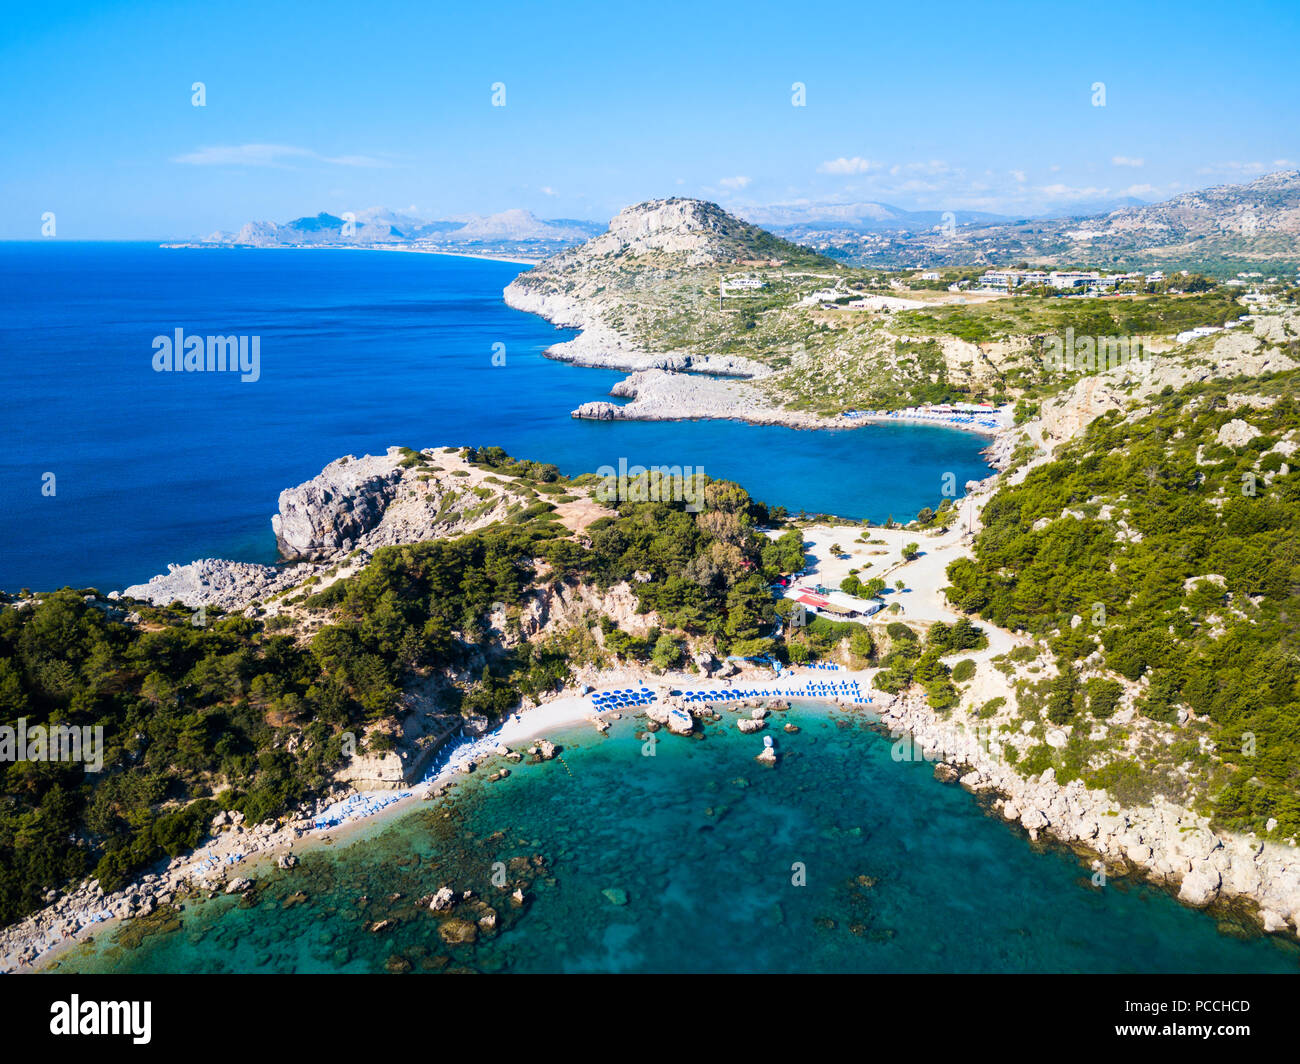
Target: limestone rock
{"type": "Point", "coordinates": [1200, 886]}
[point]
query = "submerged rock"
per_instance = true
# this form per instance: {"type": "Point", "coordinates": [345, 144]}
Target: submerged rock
{"type": "Point", "coordinates": [457, 931]}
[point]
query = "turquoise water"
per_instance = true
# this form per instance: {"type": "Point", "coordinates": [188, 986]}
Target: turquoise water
{"type": "Point", "coordinates": [903, 874]}
{"type": "Point", "coordinates": [360, 351]}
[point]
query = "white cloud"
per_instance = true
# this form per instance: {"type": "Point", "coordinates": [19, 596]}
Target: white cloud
{"type": "Point", "coordinates": [1126, 160]}
{"type": "Point", "coordinates": [734, 182]}
{"type": "Point", "coordinates": [934, 167]}
{"type": "Point", "coordinates": [1019, 175]}
{"type": "Point", "coordinates": [272, 155]}
{"type": "Point", "coordinates": [548, 191]}
{"type": "Point", "coordinates": [856, 165]}
{"type": "Point", "coordinates": [1139, 190]}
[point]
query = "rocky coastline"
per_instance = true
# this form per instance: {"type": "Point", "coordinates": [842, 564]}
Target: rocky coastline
{"type": "Point", "coordinates": [662, 387]}
{"type": "Point", "coordinates": [1164, 843]}
{"type": "Point", "coordinates": [673, 387]}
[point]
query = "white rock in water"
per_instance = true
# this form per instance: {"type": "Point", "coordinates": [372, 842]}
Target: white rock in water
{"type": "Point", "coordinates": [680, 722]}
{"type": "Point", "coordinates": [597, 411]}
{"type": "Point", "coordinates": [1033, 820]}
{"type": "Point", "coordinates": [1200, 886]}
{"type": "Point", "coordinates": [751, 725]}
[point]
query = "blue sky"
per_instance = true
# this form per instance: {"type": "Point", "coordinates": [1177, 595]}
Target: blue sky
{"type": "Point", "coordinates": [332, 106]}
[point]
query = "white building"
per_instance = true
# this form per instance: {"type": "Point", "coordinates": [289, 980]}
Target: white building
{"type": "Point", "coordinates": [1069, 279]}
{"type": "Point", "coordinates": [1005, 280]}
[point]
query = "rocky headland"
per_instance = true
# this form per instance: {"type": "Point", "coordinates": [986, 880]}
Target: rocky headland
{"type": "Point", "coordinates": [328, 527]}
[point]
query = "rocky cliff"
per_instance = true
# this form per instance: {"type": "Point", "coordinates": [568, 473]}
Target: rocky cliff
{"type": "Point", "coordinates": [331, 525]}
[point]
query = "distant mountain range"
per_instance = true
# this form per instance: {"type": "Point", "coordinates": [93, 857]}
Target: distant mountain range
{"type": "Point", "coordinates": [1215, 229]}
{"type": "Point", "coordinates": [375, 226]}
{"type": "Point", "coordinates": [861, 217]}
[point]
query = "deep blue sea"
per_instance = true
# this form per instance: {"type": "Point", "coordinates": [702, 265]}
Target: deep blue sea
{"type": "Point", "coordinates": [359, 350]}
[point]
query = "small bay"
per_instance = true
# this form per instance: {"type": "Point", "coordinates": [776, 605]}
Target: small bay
{"type": "Point", "coordinates": [687, 860]}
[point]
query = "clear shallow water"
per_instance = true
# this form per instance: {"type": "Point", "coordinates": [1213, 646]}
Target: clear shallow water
{"type": "Point", "coordinates": [702, 839]}
{"type": "Point", "coordinates": [359, 351]}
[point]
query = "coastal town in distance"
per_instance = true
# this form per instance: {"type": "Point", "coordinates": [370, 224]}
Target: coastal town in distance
{"type": "Point", "coordinates": [815, 533]}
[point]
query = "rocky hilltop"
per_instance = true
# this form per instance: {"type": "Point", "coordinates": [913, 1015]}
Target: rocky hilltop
{"type": "Point", "coordinates": [591, 286]}
{"type": "Point", "coordinates": [664, 257]}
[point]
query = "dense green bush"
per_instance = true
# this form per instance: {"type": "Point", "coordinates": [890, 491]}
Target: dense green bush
{"type": "Point", "coordinates": [1226, 649]}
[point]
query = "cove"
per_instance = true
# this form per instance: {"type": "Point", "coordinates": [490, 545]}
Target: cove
{"type": "Point", "coordinates": [686, 862]}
